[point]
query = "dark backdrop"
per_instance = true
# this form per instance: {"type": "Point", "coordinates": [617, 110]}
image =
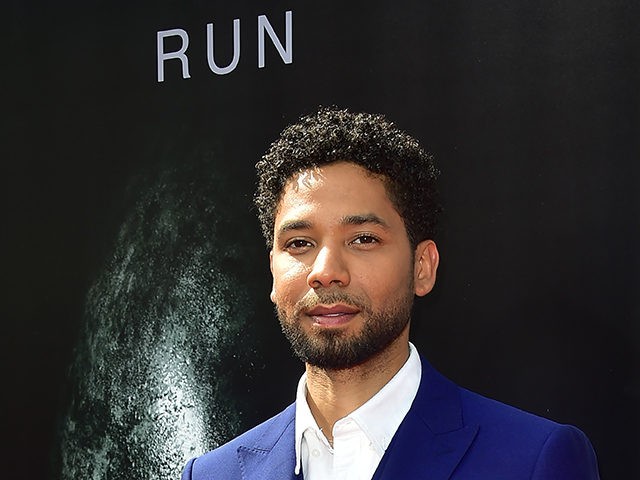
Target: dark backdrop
{"type": "Point", "coordinates": [531, 111]}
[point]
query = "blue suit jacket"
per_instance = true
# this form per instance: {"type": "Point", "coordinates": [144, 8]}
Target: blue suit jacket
{"type": "Point", "coordinates": [449, 433]}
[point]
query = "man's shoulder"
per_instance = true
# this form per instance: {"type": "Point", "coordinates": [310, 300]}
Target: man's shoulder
{"type": "Point", "coordinates": [481, 410]}
{"type": "Point", "coordinates": [223, 462]}
{"type": "Point", "coordinates": [517, 437]}
{"type": "Point", "coordinates": [489, 412]}
{"type": "Point", "coordinates": [505, 438]}
{"type": "Point", "coordinates": [495, 415]}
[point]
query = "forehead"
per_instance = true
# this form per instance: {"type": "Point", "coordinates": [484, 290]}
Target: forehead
{"type": "Point", "coordinates": [340, 187]}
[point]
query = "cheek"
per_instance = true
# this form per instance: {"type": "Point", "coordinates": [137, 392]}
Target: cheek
{"type": "Point", "coordinates": [385, 282]}
{"type": "Point", "coordinates": [289, 281]}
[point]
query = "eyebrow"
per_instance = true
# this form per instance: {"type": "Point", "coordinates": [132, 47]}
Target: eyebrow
{"type": "Point", "coordinates": [294, 225]}
{"type": "Point", "coordinates": [372, 218]}
{"type": "Point", "coordinates": [363, 219]}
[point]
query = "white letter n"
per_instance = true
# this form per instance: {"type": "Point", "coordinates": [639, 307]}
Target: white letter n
{"type": "Point", "coordinates": [285, 53]}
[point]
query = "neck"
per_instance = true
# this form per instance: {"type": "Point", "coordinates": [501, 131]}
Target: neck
{"type": "Point", "coordinates": [334, 394]}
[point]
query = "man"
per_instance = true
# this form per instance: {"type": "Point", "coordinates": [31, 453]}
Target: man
{"type": "Point", "coordinates": [348, 206]}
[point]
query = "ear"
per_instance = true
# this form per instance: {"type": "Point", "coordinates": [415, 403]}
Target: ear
{"type": "Point", "coordinates": [272, 295]}
{"type": "Point", "coordinates": [426, 263]}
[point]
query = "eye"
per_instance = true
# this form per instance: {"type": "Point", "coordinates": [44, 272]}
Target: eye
{"type": "Point", "coordinates": [298, 245]}
{"type": "Point", "coordinates": [365, 239]}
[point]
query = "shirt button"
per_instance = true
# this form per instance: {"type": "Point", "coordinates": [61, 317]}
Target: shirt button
{"type": "Point", "coordinates": [315, 452]}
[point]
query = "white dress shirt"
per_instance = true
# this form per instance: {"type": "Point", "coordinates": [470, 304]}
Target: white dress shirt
{"type": "Point", "coordinates": [359, 439]}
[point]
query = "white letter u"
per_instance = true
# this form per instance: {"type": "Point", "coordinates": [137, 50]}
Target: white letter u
{"type": "Point", "coordinates": [236, 49]}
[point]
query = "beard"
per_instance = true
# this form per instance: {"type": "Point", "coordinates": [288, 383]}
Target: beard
{"type": "Point", "coordinates": [334, 349]}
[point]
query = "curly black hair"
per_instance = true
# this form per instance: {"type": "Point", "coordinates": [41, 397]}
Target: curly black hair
{"type": "Point", "coordinates": [365, 139]}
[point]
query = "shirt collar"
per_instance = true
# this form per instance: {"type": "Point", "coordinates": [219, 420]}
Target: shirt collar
{"type": "Point", "coordinates": [304, 420]}
{"type": "Point", "coordinates": [379, 417]}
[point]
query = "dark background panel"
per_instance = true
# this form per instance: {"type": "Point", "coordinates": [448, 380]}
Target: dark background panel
{"type": "Point", "coordinates": [532, 113]}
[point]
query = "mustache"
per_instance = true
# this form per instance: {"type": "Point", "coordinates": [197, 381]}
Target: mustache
{"type": "Point", "coordinates": [315, 298]}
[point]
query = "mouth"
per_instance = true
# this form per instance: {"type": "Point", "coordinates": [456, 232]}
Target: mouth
{"type": "Point", "coordinates": [332, 315]}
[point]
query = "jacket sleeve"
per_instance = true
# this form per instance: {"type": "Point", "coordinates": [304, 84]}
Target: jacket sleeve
{"type": "Point", "coordinates": [186, 473]}
{"type": "Point", "coordinates": [567, 454]}
{"type": "Point", "coordinates": [221, 463]}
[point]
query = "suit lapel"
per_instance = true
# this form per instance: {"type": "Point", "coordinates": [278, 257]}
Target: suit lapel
{"type": "Point", "coordinates": [432, 438]}
{"type": "Point", "coordinates": [272, 457]}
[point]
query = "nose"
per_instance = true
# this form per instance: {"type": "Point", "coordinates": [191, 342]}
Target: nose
{"type": "Point", "coordinates": [329, 268]}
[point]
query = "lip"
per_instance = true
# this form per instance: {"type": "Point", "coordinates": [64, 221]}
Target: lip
{"type": "Point", "coordinates": [332, 315]}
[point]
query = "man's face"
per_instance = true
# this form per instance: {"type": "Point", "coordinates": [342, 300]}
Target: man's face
{"type": "Point", "coordinates": [344, 272]}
